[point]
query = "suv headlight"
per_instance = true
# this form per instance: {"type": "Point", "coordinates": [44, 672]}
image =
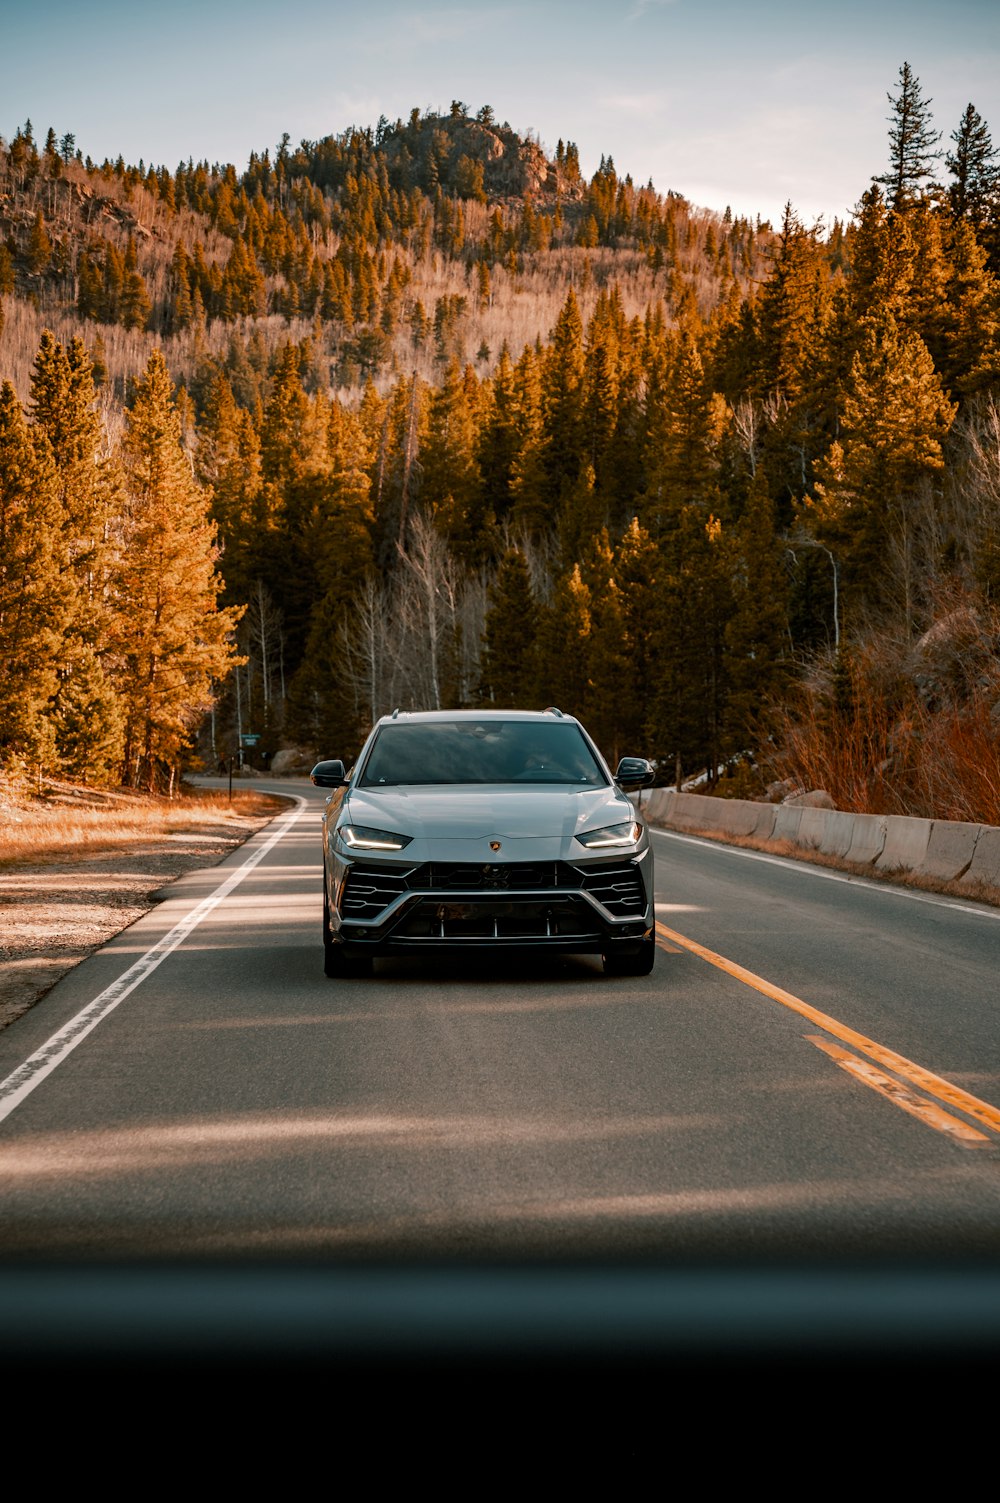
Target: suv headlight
{"type": "Point", "coordinates": [629, 833]}
{"type": "Point", "coordinates": [364, 838]}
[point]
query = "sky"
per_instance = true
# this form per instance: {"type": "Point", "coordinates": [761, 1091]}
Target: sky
{"type": "Point", "coordinates": [728, 102]}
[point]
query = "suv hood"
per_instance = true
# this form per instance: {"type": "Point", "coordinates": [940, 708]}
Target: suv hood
{"type": "Point", "coordinates": [452, 823]}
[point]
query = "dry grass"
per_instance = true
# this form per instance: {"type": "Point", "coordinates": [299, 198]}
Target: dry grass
{"type": "Point", "coordinates": [64, 819]}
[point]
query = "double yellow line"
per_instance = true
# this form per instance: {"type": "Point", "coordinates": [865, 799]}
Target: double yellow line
{"type": "Point", "coordinates": [864, 1070]}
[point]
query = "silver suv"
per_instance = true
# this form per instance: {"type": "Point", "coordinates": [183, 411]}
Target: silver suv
{"type": "Point", "coordinates": [500, 830]}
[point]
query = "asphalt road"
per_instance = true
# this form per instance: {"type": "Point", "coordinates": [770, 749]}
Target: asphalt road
{"type": "Point", "coordinates": [808, 1081]}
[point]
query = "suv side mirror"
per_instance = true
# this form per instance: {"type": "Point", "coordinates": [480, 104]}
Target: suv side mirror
{"type": "Point", "coordinates": [328, 774]}
{"type": "Point", "coordinates": [634, 772]}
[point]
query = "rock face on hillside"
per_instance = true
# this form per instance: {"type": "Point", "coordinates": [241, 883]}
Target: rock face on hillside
{"type": "Point", "coordinates": [513, 167]}
{"type": "Point", "coordinates": [443, 147]}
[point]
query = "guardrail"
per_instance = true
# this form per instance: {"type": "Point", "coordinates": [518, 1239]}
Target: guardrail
{"type": "Point", "coordinates": [941, 850]}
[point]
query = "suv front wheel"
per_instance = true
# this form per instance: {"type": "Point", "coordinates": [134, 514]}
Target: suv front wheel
{"type": "Point", "coordinates": [335, 962]}
{"type": "Point", "coordinates": [639, 963]}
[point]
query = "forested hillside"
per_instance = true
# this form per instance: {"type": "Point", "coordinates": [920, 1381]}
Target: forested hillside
{"type": "Point", "coordinates": [415, 415]}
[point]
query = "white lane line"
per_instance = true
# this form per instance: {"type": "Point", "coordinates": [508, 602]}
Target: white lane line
{"type": "Point", "coordinates": [26, 1077]}
{"type": "Point", "coordinates": [967, 906]}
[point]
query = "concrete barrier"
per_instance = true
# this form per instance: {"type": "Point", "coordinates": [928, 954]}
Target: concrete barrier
{"type": "Point", "coordinates": [812, 827]}
{"type": "Point", "coordinates": [869, 838]}
{"type": "Point", "coordinates": [985, 864]}
{"type": "Point", "coordinates": [950, 850]}
{"type": "Point", "coordinates": [945, 850]}
{"type": "Point", "coordinates": [656, 804]}
{"type": "Point", "coordinates": [838, 832]}
{"type": "Point", "coordinates": [739, 816]}
{"type": "Point", "coordinates": [694, 811]}
{"type": "Point", "coordinates": [764, 817]}
{"type": "Point", "coordinates": [906, 841]}
{"type": "Point", "coordinates": [787, 818]}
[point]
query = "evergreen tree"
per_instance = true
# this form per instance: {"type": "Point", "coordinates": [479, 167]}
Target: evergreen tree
{"type": "Point", "coordinates": [63, 407]}
{"type": "Point", "coordinates": [531, 512]}
{"type": "Point", "coordinates": [39, 245]}
{"type": "Point", "coordinates": [883, 257]}
{"type": "Point", "coordinates": [562, 645]}
{"type": "Point", "coordinates": [88, 717]}
{"type": "Point", "coordinates": [967, 320]}
{"type": "Point", "coordinates": [791, 312]}
{"type": "Point", "coordinates": [509, 635]}
{"type": "Point", "coordinates": [913, 142]}
{"type": "Point", "coordinates": [35, 600]}
{"type": "Point", "coordinates": [228, 464]}
{"type": "Point", "coordinates": [86, 711]}
{"type": "Point", "coordinates": [136, 306]}
{"type": "Point", "coordinates": [974, 192]}
{"type": "Point", "coordinates": [450, 476]}
{"type": "Point", "coordinates": [562, 395]}
{"type": "Point", "coordinates": [756, 634]}
{"type": "Point", "coordinates": [688, 711]}
{"type": "Point", "coordinates": [173, 641]}
{"type": "Point", "coordinates": [682, 427]}
{"type": "Point", "coordinates": [497, 440]}
{"type": "Point", "coordinates": [895, 417]}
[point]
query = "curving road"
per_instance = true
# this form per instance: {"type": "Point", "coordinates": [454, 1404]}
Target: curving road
{"type": "Point", "coordinates": [809, 1078]}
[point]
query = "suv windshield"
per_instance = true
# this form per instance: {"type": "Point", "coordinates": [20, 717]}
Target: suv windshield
{"type": "Point", "coordinates": [485, 751]}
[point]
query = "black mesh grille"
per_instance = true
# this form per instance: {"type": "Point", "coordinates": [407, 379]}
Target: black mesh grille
{"type": "Point", "coordinates": [618, 888]}
{"type": "Point", "coordinates": [495, 919]}
{"type": "Point", "coordinates": [474, 876]}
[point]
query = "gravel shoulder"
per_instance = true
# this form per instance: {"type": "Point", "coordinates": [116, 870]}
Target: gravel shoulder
{"type": "Point", "coordinates": [54, 913]}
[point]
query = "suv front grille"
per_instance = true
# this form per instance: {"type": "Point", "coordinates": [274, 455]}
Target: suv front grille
{"type": "Point", "coordinates": [473, 876]}
{"type": "Point", "coordinates": [369, 890]}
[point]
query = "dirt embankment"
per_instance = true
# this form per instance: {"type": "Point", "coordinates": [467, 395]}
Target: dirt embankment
{"type": "Point", "coordinates": [77, 866]}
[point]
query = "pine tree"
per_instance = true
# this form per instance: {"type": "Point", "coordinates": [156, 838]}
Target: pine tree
{"type": "Point", "coordinates": [912, 142]}
{"type": "Point", "coordinates": [88, 717]}
{"type": "Point", "coordinates": [883, 258]}
{"type": "Point", "coordinates": [895, 418]}
{"type": "Point", "coordinates": [228, 464]}
{"type": "Point", "coordinates": [531, 512]}
{"type": "Point", "coordinates": [509, 635]}
{"type": "Point", "coordinates": [637, 565]}
{"type": "Point", "coordinates": [974, 192]}
{"type": "Point", "coordinates": [450, 476]}
{"type": "Point", "coordinates": [86, 712]}
{"type": "Point", "coordinates": [39, 245]}
{"type": "Point", "coordinates": [756, 634]}
{"type": "Point", "coordinates": [173, 641]}
{"type": "Point", "coordinates": [968, 316]}
{"type": "Point", "coordinates": [791, 312]}
{"type": "Point", "coordinates": [562, 388]}
{"type": "Point", "coordinates": [683, 428]}
{"type": "Point", "coordinates": [562, 645]}
{"type": "Point", "coordinates": [688, 709]}
{"type": "Point", "coordinates": [497, 440]}
{"type": "Point", "coordinates": [136, 306]}
{"type": "Point", "coordinates": [63, 407]}
{"type": "Point", "coordinates": [608, 667]}
{"type": "Point", "coordinates": [35, 601]}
